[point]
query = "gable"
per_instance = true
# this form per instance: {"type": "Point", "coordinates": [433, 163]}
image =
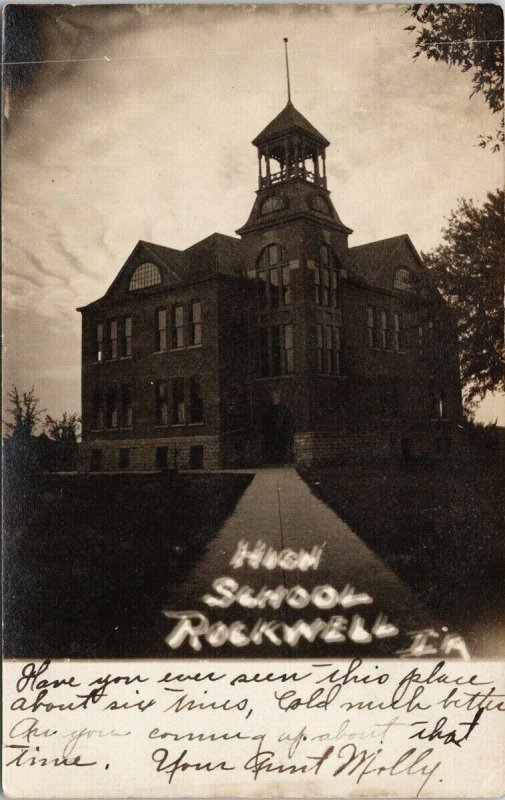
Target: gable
{"type": "Point", "coordinates": [390, 264]}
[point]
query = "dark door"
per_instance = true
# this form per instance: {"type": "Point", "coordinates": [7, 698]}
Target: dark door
{"type": "Point", "coordinates": [278, 430]}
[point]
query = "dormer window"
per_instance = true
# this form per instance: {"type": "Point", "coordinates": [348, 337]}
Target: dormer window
{"type": "Point", "coordinates": [145, 275]}
{"type": "Point", "coordinates": [403, 279]}
{"type": "Point", "coordinates": [272, 204]}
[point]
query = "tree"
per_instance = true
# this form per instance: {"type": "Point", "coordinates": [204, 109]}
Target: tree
{"type": "Point", "coordinates": [64, 430]}
{"type": "Point", "coordinates": [468, 269]}
{"type": "Point", "coordinates": [469, 36]}
{"type": "Point", "coordinates": [24, 411]}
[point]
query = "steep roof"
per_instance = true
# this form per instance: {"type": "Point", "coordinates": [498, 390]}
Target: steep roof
{"type": "Point", "coordinates": [288, 120]}
{"type": "Point", "coordinates": [370, 258]}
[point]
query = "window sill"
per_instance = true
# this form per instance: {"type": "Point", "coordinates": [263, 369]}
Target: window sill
{"type": "Point", "coordinates": [162, 425]}
{"type": "Point", "coordinates": [126, 358]}
{"type": "Point", "coordinates": [158, 352]}
{"type": "Point", "coordinates": [177, 349]}
{"type": "Point", "coordinates": [193, 346]}
{"type": "Point", "coordinates": [195, 424]}
{"type": "Point", "coordinates": [330, 375]}
{"type": "Point", "coordinates": [178, 425]}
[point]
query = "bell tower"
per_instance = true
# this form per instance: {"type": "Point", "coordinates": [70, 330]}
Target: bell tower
{"type": "Point", "coordinates": [292, 181]}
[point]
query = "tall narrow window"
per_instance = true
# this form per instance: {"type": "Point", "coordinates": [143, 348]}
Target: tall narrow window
{"type": "Point", "coordinates": [196, 322]}
{"type": "Point", "coordinates": [99, 342]}
{"type": "Point", "coordinates": [195, 399]}
{"type": "Point", "coordinates": [262, 288]}
{"type": "Point", "coordinates": [178, 326]}
{"type": "Point", "coordinates": [325, 274]}
{"type": "Point", "coordinates": [264, 360]}
{"type": "Point", "coordinates": [161, 330]}
{"type": "Point", "coordinates": [372, 330]}
{"type": "Point", "coordinates": [320, 348]}
{"type": "Point", "coordinates": [161, 403]}
{"type": "Point", "coordinates": [178, 409]}
{"type": "Point", "coordinates": [273, 277]}
{"type": "Point", "coordinates": [384, 329]}
{"type": "Point", "coordinates": [289, 364]}
{"type": "Point", "coordinates": [398, 334]}
{"type": "Point", "coordinates": [112, 409]}
{"type": "Point", "coordinates": [274, 287]}
{"type": "Point", "coordinates": [333, 288]}
{"type": "Point", "coordinates": [124, 458]}
{"type": "Point", "coordinates": [286, 285]}
{"type": "Point", "coordinates": [97, 410]}
{"type": "Point", "coordinates": [330, 365]}
{"type": "Point", "coordinates": [112, 338]}
{"type": "Point", "coordinates": [126, 407]}
{"type": "Point", "coordinates": [126, 348]}
{"type": "Point", "coordinates": [420, 341]}
{"type": "Point", "coordinates": [317, 285]}
{"type": "Point", "coordinates": [338, 346]}
{"type": "Point", "coordinates": [275, 333]}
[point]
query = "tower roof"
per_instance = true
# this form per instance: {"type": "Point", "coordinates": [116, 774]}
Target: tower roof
{"type": "Point", "coordinates": [289, 120]}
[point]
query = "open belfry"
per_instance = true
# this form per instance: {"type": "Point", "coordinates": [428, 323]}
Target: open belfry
{"type": "Point", "coordinates": [283, 344]}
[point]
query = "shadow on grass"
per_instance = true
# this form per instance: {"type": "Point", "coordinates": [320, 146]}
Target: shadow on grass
{"type": "Point", "coordinates": [89, 559]}
{"type": "Point", "coordinates": [439, 527]}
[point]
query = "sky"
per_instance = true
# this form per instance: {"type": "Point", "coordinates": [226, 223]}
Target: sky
{"type": "Point", "coordinates": [138, 125]}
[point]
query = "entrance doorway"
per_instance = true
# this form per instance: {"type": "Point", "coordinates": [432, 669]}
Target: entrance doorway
{"type": "Point", "coordinates": [278, 431]}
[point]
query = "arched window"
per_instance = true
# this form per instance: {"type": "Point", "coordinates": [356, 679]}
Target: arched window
{"type": "Point", "coordinates": [274, 277]}
{"type": "Point", "coordinates": [318, 203]}
{"type": "Point", "coordinates": [326, 278]}
{"type": "Point", "coordinates": [274, 203]}
{"type": "Point", "coordinates": [403, 279]}
{"type": "Point", "coordinates": [146, 275]}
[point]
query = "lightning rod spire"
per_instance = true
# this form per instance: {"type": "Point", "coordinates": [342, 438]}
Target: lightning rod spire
{"type": "Point", "coordinates": [287, 68]}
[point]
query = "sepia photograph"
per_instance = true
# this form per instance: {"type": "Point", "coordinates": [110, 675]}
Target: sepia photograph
{"type": "Point", "coordinates": [253, 327]}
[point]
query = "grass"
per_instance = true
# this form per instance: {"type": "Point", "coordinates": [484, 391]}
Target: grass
{"type": "Point", "coordinates": [439, 526]}
{"type": "Point", "coordinates": [88, 559]}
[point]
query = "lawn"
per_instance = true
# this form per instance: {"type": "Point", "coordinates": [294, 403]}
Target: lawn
{"type": "Point", "coordinates": [439, 526]}
{"type": "Point", "coordinates": [89, 559]}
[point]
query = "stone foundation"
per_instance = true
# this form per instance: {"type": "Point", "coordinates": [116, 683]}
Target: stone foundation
{"type": "Point", "coordinates": [143, 456]}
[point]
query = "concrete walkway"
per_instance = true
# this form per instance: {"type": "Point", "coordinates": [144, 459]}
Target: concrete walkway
{"type": "Point", "coordinates": [279, 510]}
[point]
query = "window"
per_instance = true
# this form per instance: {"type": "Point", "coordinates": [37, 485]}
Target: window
{"type": "Point", "coordinates": [112, 339]}
{"type": "Point", "coordinates": [288, 350]}
{"type": "Point", "coordinates": [161, 403]}
{"type": "Point", "coordinates": [178, 409]}
{"type": "Point", "coordinates": [273, 278]}
{"type": "Point", "coordinates": [178, 326]}
{"type": "Point", "coordinates": [276, 351]}
{"type": "Point", "coordinates": [161, 330]}
{"type": "Point", "coordinates": [437, 402]}
{"type": "Point", "coordinates": [384, 330]}
{"type": "Point", "coordinates": [145, 275]}
{"type": "Point", "coordinates": [99, 342]}
{"type": "Point", "coordinates": [195, 399]}
{"type": "Point", "coordinates": [196, 322]}
{"type": "Point", "coordinates": [161, 457]}
{"type": "Point", "coordinates": [317, 285]}
{"type": "Point", "coordinates": [272, 204]}
{"type": "Point", "coordinates": [196, 456]}
{"type": "Point", "coordinates": [124, 458]}
{"type": "Point", "coordinates": [126, 348]}
{"type": "Point", "coordinates": [420, 341]}
{"type": "Point", "coordinates": [126, 407]}
{"type": "Point", "coordinates": [97, 422]}
{"type": "Point", "coordinates": [397, 333]}
{"type": "Point", "coordinates": [328, 350]}
{"type": "Point", "coordinates": [319, 203]}
{"type": "Point", "coordinates": [402, 279]}
{"type": "Point", "coordinates": [372, 329]}
{"type": "Point", "coordinates": [326, 279]}
{"type": "Point", "coordinates": [96, 460]}
{"type": "Point", "coordinates": [112, 420]}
